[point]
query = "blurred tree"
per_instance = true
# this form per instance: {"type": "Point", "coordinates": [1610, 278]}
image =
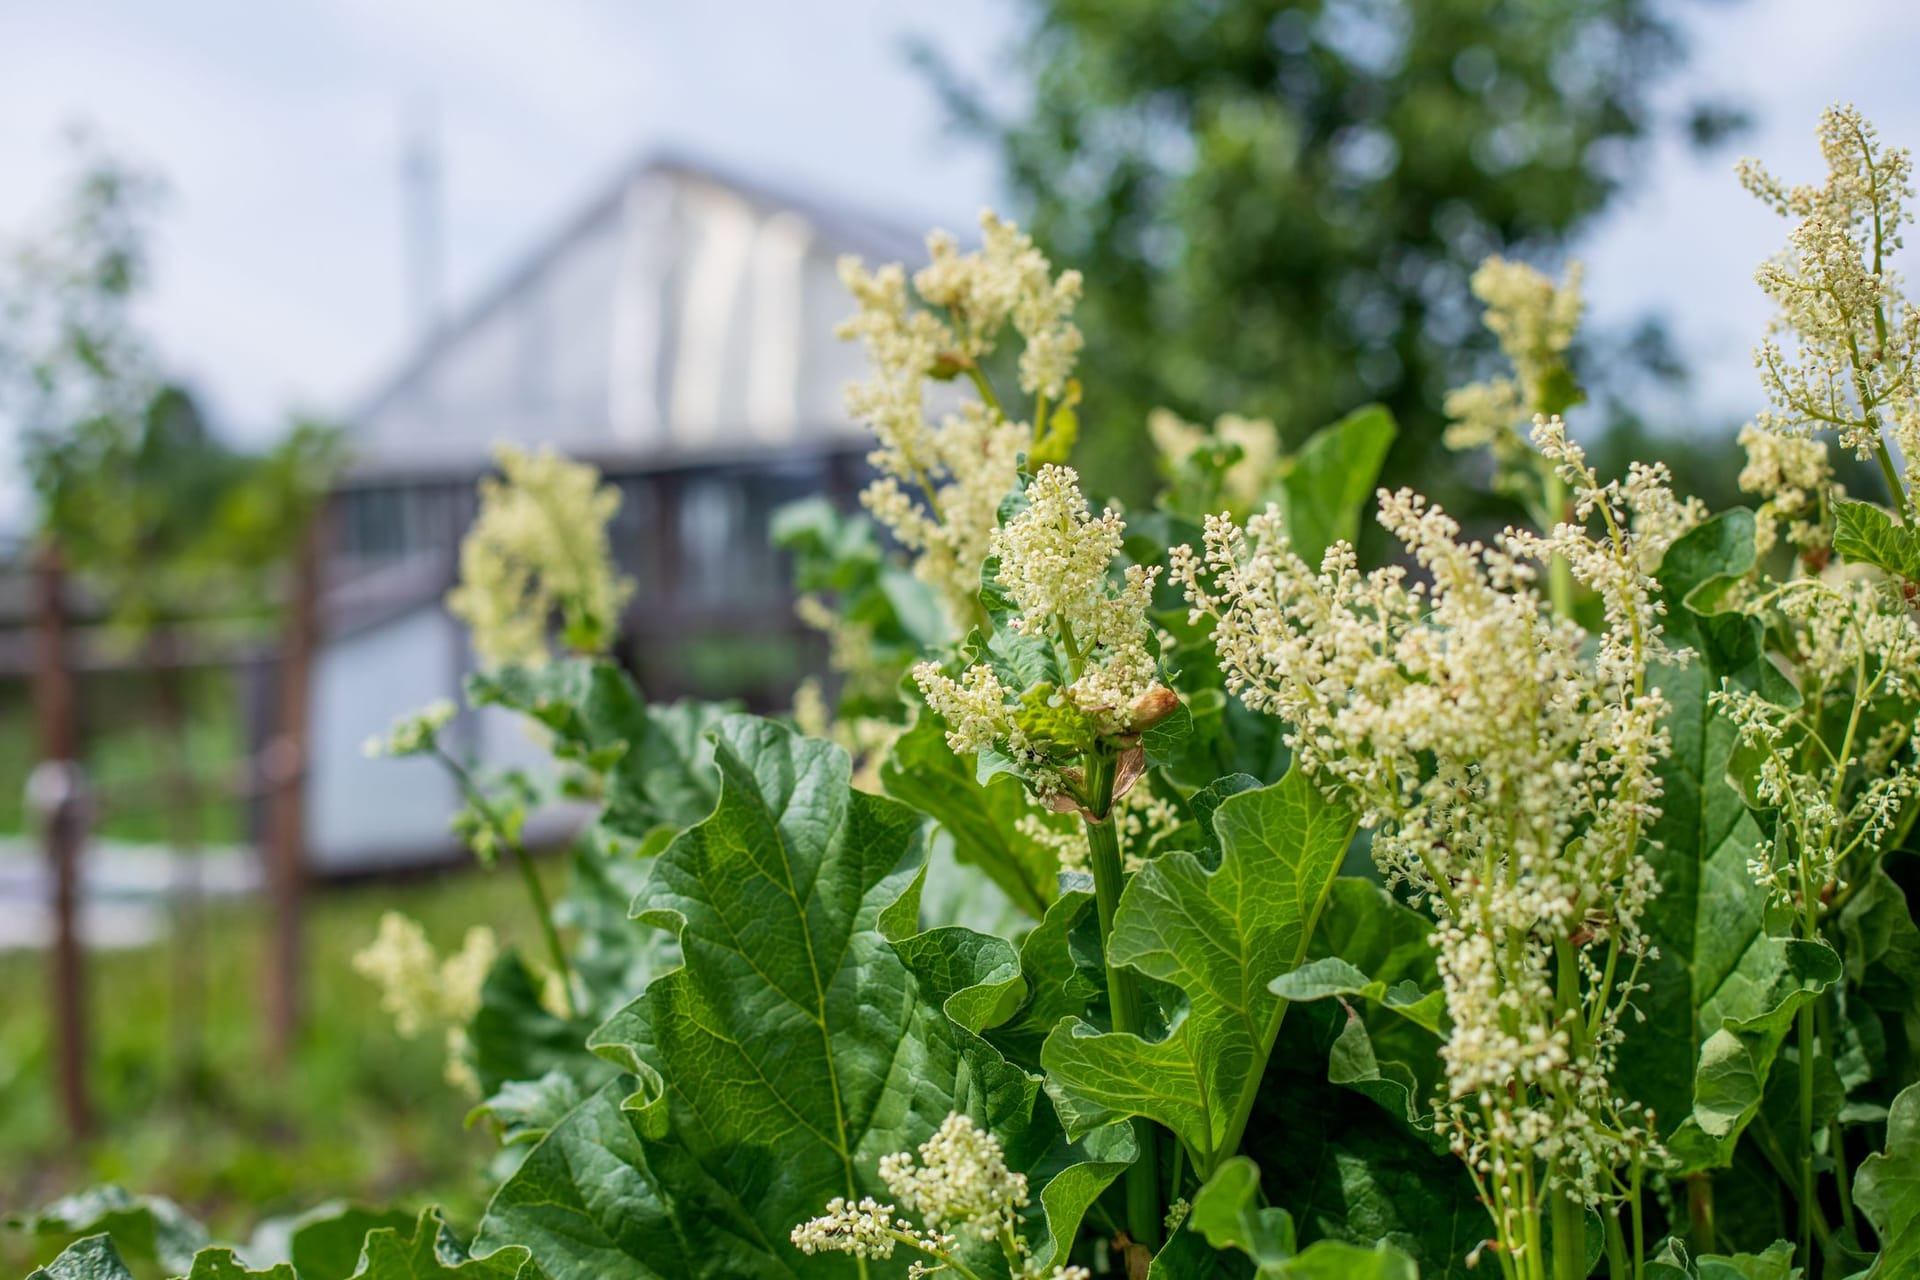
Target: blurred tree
{"type": "Point", "coordinates": [1277, 203]}
{"type": "Point", "coordinates": [163, 518]}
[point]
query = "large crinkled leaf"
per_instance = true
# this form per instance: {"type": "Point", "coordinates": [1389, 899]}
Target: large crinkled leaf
{"type": "Point", "coordinates": [1219, 936]}
{"type": "Point", "coordinates": [790, 1051]}
{"type": "Point", "coordinates": [978, 982]}
{"type": "Point", "coordinates": [982, 819]}
{"type": "Point", "coordinates": [1061, 969]}
{"type": "Point", "coordinates": [1887, 1189]}
{"type": "Point", "coordinates": [223, 1264]}
{"type": "Point", "coordinates": [149, 1228]}
{"type": "Point", "coordinates": [324, 1242]}
{"type": "Point", "coordinates": [431, 1252]}
{"type": "Point", "coordinates": [1721, 988]}
{"type": "Point", "coordinates": [1325, 487]}
{"type": "Point", "coordinates": [95, 1258]}
{"type": "Point", "coordinates": [1755, 1010]}
{"type": "Point", "coordinates": [1882, 944]}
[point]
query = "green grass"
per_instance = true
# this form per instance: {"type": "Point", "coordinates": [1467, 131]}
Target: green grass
{"type": "Point", "coordinates": [128, 754]}
{"type": "Point", "coordinates": [196, 1115]}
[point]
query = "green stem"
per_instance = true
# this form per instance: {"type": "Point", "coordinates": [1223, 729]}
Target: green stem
{"type": "Point", "coordinates": [1559, 572]}
{"type": "Point", "coordinates": [1700, 1213]}
{"type": "Point", "coordinates": [1569, 1233]}
{"type": "Point", "coordinates": [543, 908]}
{"type": "Point", "coordinates": [529, 874]}
{"type": "Point", "coordinates": [1804, 1031]}
{"type": "Point", "coordinates": [1123, 992]}
{"type": "Point", "coordinates": [1895, 490]}
{"type": "Point", "coordinates": [1617, 1266]}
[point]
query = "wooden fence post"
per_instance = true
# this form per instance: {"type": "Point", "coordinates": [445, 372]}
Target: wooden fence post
{"type": "Point", "coordinates": [286, 770]}
{"type": "Point", "coordinates": [57, 791]}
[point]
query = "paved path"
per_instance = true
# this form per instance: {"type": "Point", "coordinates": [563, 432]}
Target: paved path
{"type": "Point", "coordinates": [125, 889]}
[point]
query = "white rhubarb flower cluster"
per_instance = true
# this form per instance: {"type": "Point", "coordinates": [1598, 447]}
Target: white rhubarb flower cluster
{"type": "Point", "coordinates": [422, 991]}
{"type": "Point", "coordinates": [1858, 649]}
{"type": "Point", "coordinates": [1535, 321]}
{"type": "Point", "coordinates": [1507, 768]}
{"type": "Point", "coordinates": [960, 1181]}
{"type": "Point", "coordinates": [1794, 478]}
{"type": "Point", "coordinates": [941, 482]}
{"type": "Point", "coordinates": [1842, 353]}
{"type": "Point", "coordinates": [959, 1186]}
{"type": "Point", "coordinates": [537, 549]}
{"type": "Point", "coordinates": [413, 734]}
{"type": "Point", "coordinates": [1055, 564]}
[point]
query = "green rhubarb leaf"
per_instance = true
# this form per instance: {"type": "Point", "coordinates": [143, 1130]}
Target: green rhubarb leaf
{"type": "Point", "coordinates": [978, 981]}
{"type": "Point", "coordinates": [1882, 944]}
{"type": "Point", "coordinates": [1374, 948]}
{"type": "Point", "coordinates": [93, 1258]}
{"type": "Point", "coordinates": [1325, 488]}
{"type": "Point", "coordinates": [1775, 1262]}
{"type": "Point", "coordinates": [1228, 1212]}
{"type": "Point", "coordinates": [1348, 1171]}
{"type": "Point", "coordinates": [1866, 534]}
{"type": "Point", "coordinates": [1756, 1010]}
{"type": "Point", "coordinates": [1060, 966]}
{"type": "Point", "coordinates": [146, 1228]}
{"type": "Point", "coordinates": [657, 763]}
{"type": "Point", "coordinates": [526, 1110]}
{"type": "Point", "coordinates": [430, 1252]}
{"type": "Point", "coordinates": [1220, 937]}
{"type": "Point", "coordinates": [515, 1036]}
{"type": "Point", "coordinates": [982, 819]}
{"type": "Point", "coordinates": [223, 1264]}
{"type": "Point", "coordinates": [1332, 976]}
{"type": "Point", "coordinates": [1721, 990]}
{"type": "Point", "coordinates": [1887, 1189]}
{"type": "Point", "coordinates": [790, 1051]}
{"type": "Point", "coordinates": [324, 1242]}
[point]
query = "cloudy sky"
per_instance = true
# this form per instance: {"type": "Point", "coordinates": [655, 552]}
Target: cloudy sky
{"type": "Point", "coordinates": [281, 278]}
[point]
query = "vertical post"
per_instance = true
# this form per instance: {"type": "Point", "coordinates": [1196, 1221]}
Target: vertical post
{"type": "Point", "coordinates": [286, 770]}
{"type": "Point", "coordinates": [56, 790]}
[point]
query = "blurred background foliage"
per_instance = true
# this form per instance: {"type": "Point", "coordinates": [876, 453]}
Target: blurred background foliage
{"type": "Point", "coordinates": [1277, 205]}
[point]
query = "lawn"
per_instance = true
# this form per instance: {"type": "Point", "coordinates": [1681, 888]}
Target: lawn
{"type": "Point", "coordinates": [359, 1113]}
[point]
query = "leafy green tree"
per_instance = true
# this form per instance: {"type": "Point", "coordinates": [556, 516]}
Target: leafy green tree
{"type": "Point", "coordinates": [1277, 203]}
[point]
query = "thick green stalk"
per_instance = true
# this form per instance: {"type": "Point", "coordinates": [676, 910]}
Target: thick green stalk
{"type": "Point", "coordinates": [542, 908]}
{"type": "Point", "coordinates": [1559, 572]}
{"type": "Point", "coordinates": [1123, 991]}
{"type": "Point", "coordinates": [1804, 1030]}
{"type": "Point", "coordinates": [1569, 1233]}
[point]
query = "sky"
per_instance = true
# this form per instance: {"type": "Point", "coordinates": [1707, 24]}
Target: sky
{"type": "Point", "coordinates": [281, 274]}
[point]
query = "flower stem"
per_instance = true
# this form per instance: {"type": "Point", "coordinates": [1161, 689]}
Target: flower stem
{"type": "Point", "coordinates": [1559, 572]}
{"type": "Point", "coordinates": [1569, 1231]}
{"type": "Point", "coordinates": [529, 874]}
{"type": "Point", "coordinates": [1123, 992]}
{"type": "Point", "coordinates": [1804, 1031]}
